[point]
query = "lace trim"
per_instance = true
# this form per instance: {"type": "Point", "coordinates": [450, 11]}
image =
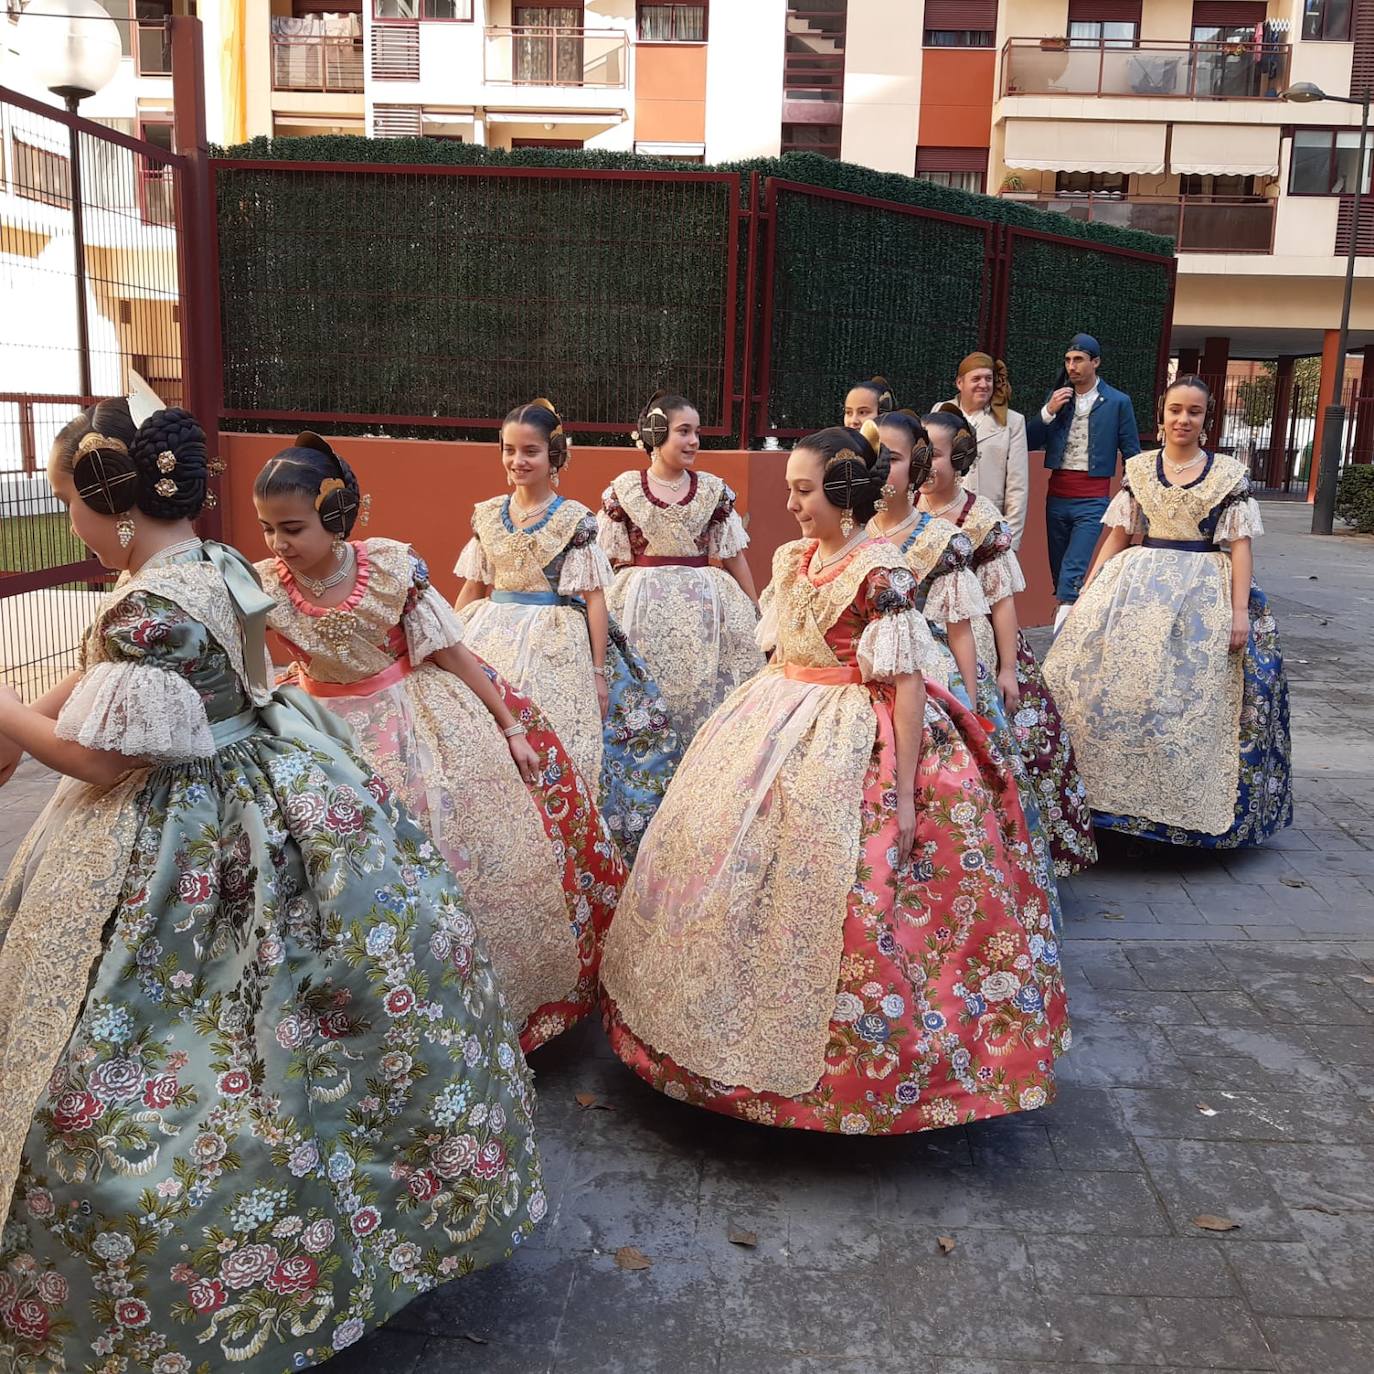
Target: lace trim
{"type": "Point", "coordinates": [139, 710]}
{"type": "Point", "coordinates": [612, 533]}
{"type": "Point", "coordinates": [766, 631]}
{"type": "Point", "coordinates": [1182, 512]}
{"type": "Point", "coordinates": [473, 565]}
{"type": "Point", "coordinates": [430, 625]}
{"type": "Point", "coordinates": [585, 569]}
{"type": "Point", "coordinates": [516, 559]}
{"type": "Point", "coordinates": [1240, 521]}
{"type": "Point", "coordinates": [1123, 513]}
{"type": "Point", "coordinates": [670, 530]}
{"type": "Point", "coordinates": [955, 596]}
{"type": "Point", "coordinates": [728, 537]}
{"type": "Point", "coordinates": [894, 645]}
{"type": "Point", "coordinates": [1001, 577]}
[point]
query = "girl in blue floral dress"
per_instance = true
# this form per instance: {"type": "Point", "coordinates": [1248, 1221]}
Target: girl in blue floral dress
{"type": "Point", "coordinates": [257, 1085]}
{"type": "Point", "coordinates": [534, 606]}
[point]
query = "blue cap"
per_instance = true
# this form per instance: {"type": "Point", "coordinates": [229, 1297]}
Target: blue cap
{"type": "Point", "coordinates": [1084, 343]}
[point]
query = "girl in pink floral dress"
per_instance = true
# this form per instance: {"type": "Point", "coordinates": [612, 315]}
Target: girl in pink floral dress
{"type": "Point", "coordinates": [833, 922]}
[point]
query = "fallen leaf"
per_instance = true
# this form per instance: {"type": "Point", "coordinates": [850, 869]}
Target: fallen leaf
{"type": "Point", "coordinates": [476, 1340]}
{"type": "Point", "coordinates": [631, 1258]}
{"type": "Point", "coordinates": [591, 1102]}
{"type": "Point", "coordinates": [1367, 977]}
{"type": "Point", "coordinates": [1206, 1110]}
{"type": "Point", "coordinates": [1319, 1207]}
{"type": "Point", "coordinates": [1111, 915]}
{"type": "Point", "coordinates": [1207, 1222]}
{"type": "Point", "coordinates": [946, 1244]}
{"type": "Point", "coordinates": [1292, 882]}
{"type": "Point", "coordinates": [748, 1239]}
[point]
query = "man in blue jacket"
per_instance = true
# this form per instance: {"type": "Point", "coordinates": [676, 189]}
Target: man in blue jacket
{"type": "Point", "coordinates": [1082, 427]}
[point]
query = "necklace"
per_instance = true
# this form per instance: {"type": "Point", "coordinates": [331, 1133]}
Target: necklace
{"type": "Point", "coordinates": [524, 516]}
{"type": "Point", "coordinates": [895, 529]}
{"type": "Point", "coordinates": [851, 543]}
{"type": "Point", "coordinates": [318, 588]}
{"type": "Point", "coordinates": [945, 510]}
{"type": "Point", "coordinates": [170, 552]}
{"type": "Point", "coordinates": [666, 484]}
{"type": "Point", "coordinates": [1176, 468]}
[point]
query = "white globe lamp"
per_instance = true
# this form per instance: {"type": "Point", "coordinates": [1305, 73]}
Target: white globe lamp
{"type": "Point", "coordinates": [69, 46]}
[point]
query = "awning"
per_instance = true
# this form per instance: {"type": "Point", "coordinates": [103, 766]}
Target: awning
{"type": "Point", "coordinates": [1063, 145]}
{"type": "Point", "coordinates": [1247, 150]}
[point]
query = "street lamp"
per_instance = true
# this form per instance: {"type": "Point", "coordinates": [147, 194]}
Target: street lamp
{"type": "Point", "coordinates": [72, 47]}
{"type": "Point", "coordinates": [1333, 425]}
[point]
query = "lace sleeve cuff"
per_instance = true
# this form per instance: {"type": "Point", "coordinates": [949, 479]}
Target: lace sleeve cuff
{"type": "Point", "coordinates": [585, 569]}
{"type": "Point", "coordinates": [893, 645]}
{"type": "Point", "coordinates": [1001, 577]}
{"type": "Point", "coordinates": [1123, 513]}
{"type": "Point", "coordinates": [430, 625]}
{"type": "Point", "coordinates": [766, 631]}
{"type": "Point", "coordinates": [728, 537]}
{"type": "Point", "coordinates": [1240, 521]}
{"type": "Point", "coordinates": [614, 539]}
{"type": "Point", "coordinates": [955, 596]}
{"type": "Point", "coordinates": [473, 564]}
{"type": "Point", "coordinates": [137, 710]}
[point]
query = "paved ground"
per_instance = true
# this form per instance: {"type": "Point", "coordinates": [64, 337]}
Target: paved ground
{"type": "Point", "coordinates": [1223, 1065]}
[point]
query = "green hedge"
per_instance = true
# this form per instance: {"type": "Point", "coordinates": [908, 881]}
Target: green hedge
{"type": "Point", "coordinates": [1355, 497]}
{"type": "Point", "coordinates": [356, 292]}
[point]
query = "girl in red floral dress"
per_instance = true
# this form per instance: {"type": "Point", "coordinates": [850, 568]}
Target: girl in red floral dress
{"type": "Point", "coordinates": [833, 922]}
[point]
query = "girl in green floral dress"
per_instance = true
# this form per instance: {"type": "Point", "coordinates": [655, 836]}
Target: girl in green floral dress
{"type": "Point", "coordinates": [257, 1086]}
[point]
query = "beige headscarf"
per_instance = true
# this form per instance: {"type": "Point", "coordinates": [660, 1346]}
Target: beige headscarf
{"type": "Point", "coordinates": [1001, 383]}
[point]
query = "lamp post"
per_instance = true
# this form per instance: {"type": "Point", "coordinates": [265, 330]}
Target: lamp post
{"type": "Point", "coordinates": [1333, 425]}
{"type": "Point", "coordinates": [72, 48]}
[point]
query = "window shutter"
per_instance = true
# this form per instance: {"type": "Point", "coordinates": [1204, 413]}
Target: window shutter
{"type": "Point", "coordinates": [951, 159]}
{"type": "Point", "coordinates": [971, 15]}
{"type": "Point", "coordinates": [1229, 13]}
{"type": "Point", "coordinates": [1362, 66]}
{"type": "Point", "coordinates": [1104, 11]}
{"type": "Point", "coordinates": [396, 121]}
{"type": "Point", "coordinates": [395, 52]}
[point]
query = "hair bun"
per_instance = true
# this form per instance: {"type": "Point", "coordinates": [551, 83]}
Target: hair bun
{"type": "Point", "coordinates": [105, 476]}
{"type": "Point", "coordinates": [173, 468]}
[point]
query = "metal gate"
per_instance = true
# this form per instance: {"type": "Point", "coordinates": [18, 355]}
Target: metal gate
{"type": "Point", "coordinates": [91, 277]}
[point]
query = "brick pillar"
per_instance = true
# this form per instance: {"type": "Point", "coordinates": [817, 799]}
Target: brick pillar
{"type": "Point", "coordinates": [1276, 472]}
{"type": "Point", "coordinates": [1187, 361]}
{"type": "Point", "coordinates": [1331, 339]}
{"type": "Point", "coordinates": [1216, 354]}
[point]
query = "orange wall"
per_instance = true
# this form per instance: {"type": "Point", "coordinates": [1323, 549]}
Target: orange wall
{"type": "Point", "coordinates": [956, 97]}
{"type": "Point", "coordinates": [423, 491]}
{"type": "Point", "coordinates": [670, 92]}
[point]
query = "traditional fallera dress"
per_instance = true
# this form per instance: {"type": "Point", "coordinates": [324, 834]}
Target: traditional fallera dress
{"type": "Point", "coordinates": [533, 630]}
{"type": "Point", "coordinates": [540, 874]}
{"type": "Point", "coordinates": [941, 557]}
{"type": "Point", "coordinates": [258, 1088]}
{"type": "Point", "coordinates": [768, 959]}
{"type": "Point", "coordinates": [692, 622]}
{"type": "Point", "coordinates": [1178, 739]}
{"type": "Point", "coordinates": [1041, 739]}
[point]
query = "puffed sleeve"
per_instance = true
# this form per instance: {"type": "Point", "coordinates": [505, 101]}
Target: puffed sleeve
{"type": "Point", "coordinates": [428, 620]}
{"type": "Point", "coordinates": [585, 565]}
{"type": "Point", "coordinates": [473, 565]}
{"type": "Point", "coordinates": [897, 639]}
{"type": "Point", "coordinates": [1240, 515]}
{"type": "Point", "coordinates": [766, 631]}
{"type": "Point", "coordinates": [955, 593]}
{"type": "Point", "coordinates": [726, 535]}
{"type": "Point", "coordinates": [999, 571]}
{"type": "Point", "coordinates": [1124, 512]}
{"type": "Point", "coordinates": [613, 529]}
{"type": "Point", "coordinates": [136, 700]}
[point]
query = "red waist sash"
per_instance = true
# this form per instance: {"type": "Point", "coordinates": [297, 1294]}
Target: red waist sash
{"type": "Point", "coordinates": [365, 687]}
{"type": "Point", "coordinates": [839, 676]}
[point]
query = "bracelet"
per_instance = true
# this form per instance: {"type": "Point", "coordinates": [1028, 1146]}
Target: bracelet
{"type": "Point", "coordinates": [600, 672]}
{"type": "Point", "coordinates": [514, 730]}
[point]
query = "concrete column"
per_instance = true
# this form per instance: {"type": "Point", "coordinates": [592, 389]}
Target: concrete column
{"type": "Point", "coordinates": [1276, 471]}
{"type": "Point", "coordinates": [1216, 354]}
{"type": "Point", "coordinates": [1331, 339]}
{"type": "Point", "coordinates": [1364, 409]}
{"type": "Point", "coordinates": [1187, 361]}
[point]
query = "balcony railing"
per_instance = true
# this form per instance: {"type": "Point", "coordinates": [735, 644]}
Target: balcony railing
{"type": "Point", "coordinates": [1199, 224]}
{"type": "Point", "coordinates": [317, 64]}
{"type": "Point", "coordinates": [531, 56]}
{"type": "Point", "coordinates": [1190, 71]}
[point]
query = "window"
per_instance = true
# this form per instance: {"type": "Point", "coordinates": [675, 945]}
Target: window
{"type": "Point", "coordinates": [1326, 20]}
{"type": "Point", "coordinates": [1106, 185]}
{"type": "Point", "coordinates": [960, 181]}
{"type": "Point", "coordinates": [958, 38]}
{"type": "Point", "coordinates": [811, 138]}
{"type": "Point", "coordinates": [671, 23]}
{"type": "Point", "coordinates": [1103, 33]}
{"type": "Point", "coordinates": [965, 169]}
{"type": "Point", "coordinates": [1323, 162]}
{"type": "Point", "coordinates": [422, 9]}
{"type": "Point", "coordinates": [1207, 184]}
{"type": "Point", "coordinates": [548, 45]}
{"type": "Point", "coordinates": [41, 175]}
{"type": "Point", "coordinates": [154, 38]}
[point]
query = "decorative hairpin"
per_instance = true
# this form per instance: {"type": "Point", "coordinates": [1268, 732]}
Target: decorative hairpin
{"type": "Point", "coordinates": [166, 461]}
{"type": "Point", "coordinates": [216, 467]}
{"type": "Point", "coordinates": [365, 508]}
{"type": "Point", "coordinates": [165, 486]}
{"type": "Point", "coordinates": [94, 443]}
{"type": "Point", "coordinates": [327, 488]}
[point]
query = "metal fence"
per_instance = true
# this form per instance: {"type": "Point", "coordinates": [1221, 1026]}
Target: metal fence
{"type": "Point", "coordinates": [89, 276]}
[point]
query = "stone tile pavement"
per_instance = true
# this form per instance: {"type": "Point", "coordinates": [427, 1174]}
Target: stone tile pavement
{"type": "Point", "coordinates": [1223, 1065]}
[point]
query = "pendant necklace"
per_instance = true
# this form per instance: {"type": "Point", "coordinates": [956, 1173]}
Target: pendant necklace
{"type": "Point", "coordinates": [851, 543]}
{"type": "Point", "coordinates": [945, 510]}
{"type": "Point", "coordinates": [666, 484]}
{"type": "Point", "coordinates": [523, 517]}
{"type": "Point", "coordinates": [897, 528]}
{"type": "Point", "coordinates": [317, 588]}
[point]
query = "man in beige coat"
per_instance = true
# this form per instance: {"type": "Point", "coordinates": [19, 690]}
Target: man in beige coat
{"type": "Point", "coordinates": [1002, 472]}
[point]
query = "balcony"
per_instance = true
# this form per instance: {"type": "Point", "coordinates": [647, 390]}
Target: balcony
{"type": "Point", "coordinates": [1199, 224]}
{"type": "Point", "coordinates": [1188, 71]}
{"type": "Point", "coordinates": [317, 64]}
{"type": "Point", "coordinates": [583, 58]}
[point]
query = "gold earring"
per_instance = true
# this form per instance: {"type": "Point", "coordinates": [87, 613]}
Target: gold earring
{"type": "Point", "coordinates": [847, 523]}
{"type": "Point", "coordinates": [338, 545]}
{"type": "Point", "coordinates": [553, 479]}
{"type": "Point", "coordinates": [124, 530]}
